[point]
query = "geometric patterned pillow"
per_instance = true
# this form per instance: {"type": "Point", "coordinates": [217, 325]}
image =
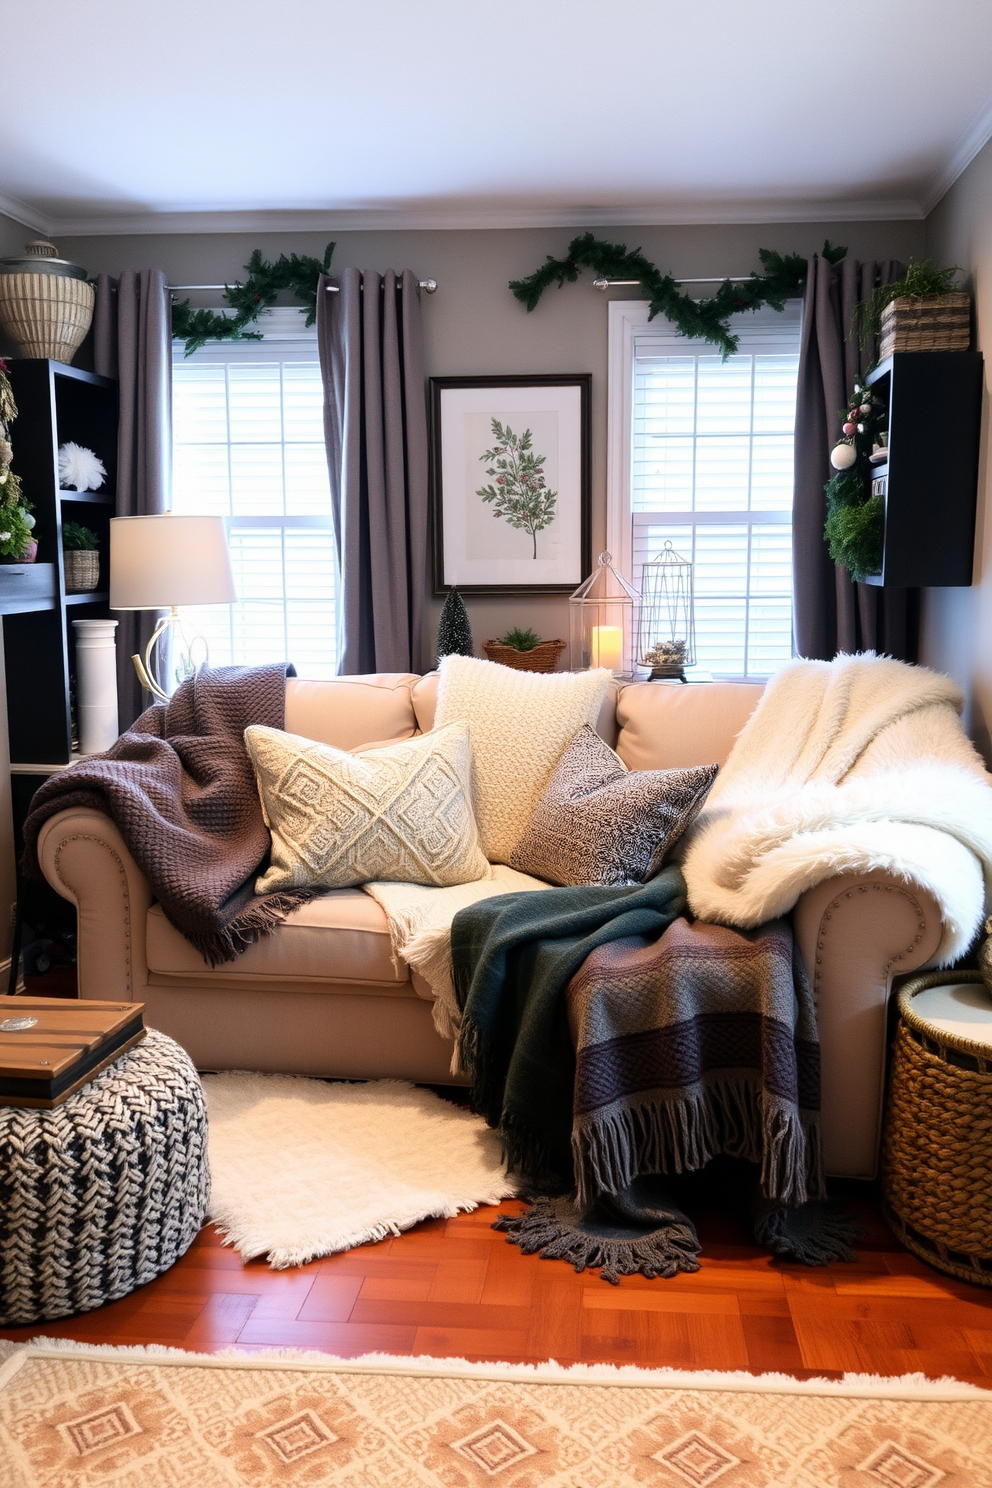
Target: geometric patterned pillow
{"type": "Point", "coordinates": [600, 823]}
{"type": "Point", "coordinates": [400, 812]}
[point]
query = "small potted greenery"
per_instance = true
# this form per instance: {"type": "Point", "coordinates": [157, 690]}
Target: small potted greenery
{"type": "Point", "coordinates": [524, 650]}
{"type": "Point", "coordinates": [81, 555]}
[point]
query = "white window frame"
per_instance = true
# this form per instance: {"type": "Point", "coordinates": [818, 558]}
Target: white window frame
{"type": "Point", "coordinates": [281, 324]}
{"type": "Point", "coordinates": [628, 321]}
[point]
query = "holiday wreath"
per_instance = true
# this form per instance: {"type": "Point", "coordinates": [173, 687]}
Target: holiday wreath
{"type": "Point", "coordinates": [706, 319]}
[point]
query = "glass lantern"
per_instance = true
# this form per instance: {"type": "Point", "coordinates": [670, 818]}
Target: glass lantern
{"type": "Point", "coordinates": [602, 620]}
{"type": "Point", "coordinates": [666, 642]}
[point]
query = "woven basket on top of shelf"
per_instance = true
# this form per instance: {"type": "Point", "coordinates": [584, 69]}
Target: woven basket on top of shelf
{"type": "Point", "coordinates": [925, 323]}
{"type": "Point", "coordinates": [542, 658]}
{"type": "Point", "coordinates": [46, 315]}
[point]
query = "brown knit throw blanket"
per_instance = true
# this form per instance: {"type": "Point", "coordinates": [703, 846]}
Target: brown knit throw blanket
{"type": "Point", "coordinates": [700, 1042]}
{"type": "Point", "coordinates": [181, 789]}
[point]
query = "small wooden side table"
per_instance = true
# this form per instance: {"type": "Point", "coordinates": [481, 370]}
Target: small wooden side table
{"type": "Point", "coordinates": [937, 1144]}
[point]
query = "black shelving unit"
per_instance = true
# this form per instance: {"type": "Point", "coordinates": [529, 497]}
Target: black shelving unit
{"type": "Point", "coordinates": [930, 482]}
{"type": "Point", "coordinates": [55, 403]}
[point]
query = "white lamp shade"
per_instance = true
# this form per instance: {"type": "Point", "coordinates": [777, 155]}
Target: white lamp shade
{"type": "Point", "coordinates": [161, 561]}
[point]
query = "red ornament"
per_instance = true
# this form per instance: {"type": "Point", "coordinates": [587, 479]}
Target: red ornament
{"type": "Point", "coordinates": [848, 429]}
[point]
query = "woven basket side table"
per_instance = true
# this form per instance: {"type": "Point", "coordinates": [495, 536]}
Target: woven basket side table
{"type": "Point", "coordinates": [104, 1192]}
{"type": "Point", "coordinates": [937, 1144]}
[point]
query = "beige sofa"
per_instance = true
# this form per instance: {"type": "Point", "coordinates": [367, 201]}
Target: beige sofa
{"type": "Point", "coordinates": [321, 996]}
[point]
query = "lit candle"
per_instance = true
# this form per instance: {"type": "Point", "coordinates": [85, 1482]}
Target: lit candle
{"type": "Point", "coordinates": [607, 647]}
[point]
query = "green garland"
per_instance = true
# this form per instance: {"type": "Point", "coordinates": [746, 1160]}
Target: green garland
{"type": "Point", "coordinates": [16, 521]}
{"type": "Point", "coordinates": [854, 529]}
{"type": "Point", "coordinates": [298, 275]}
{"type": "Point", "coordinates": [706, 320]}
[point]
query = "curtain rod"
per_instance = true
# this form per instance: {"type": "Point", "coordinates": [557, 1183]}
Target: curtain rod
{"type": "Point", "coordinates": [617, 283]}
{"type": "Point", "coordinates": [429, 286]}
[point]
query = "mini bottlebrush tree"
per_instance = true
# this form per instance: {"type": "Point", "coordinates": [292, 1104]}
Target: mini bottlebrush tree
{"type": "Point", "coordinates": [518, 492]}
{"type": "Point", "coordinates": [454, 634]}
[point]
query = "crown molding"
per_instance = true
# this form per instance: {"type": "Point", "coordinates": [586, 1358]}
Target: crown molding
{"type": "Point", "coordinates": [454, 216]}
{"type": "Point", "coordinates": [26, 216]}
{"type": "Point", "coordinates": [974, 139]}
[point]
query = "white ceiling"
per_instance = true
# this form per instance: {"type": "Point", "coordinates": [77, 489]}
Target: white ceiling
{"type": "Point", "coordinates": [133, 116]}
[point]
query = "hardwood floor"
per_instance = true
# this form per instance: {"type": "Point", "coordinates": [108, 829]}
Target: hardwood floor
{"type": "Point", "coordinates": [456, 1288]}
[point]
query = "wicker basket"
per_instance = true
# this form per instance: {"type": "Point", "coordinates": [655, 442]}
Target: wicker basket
{"type": "Point", "coordinates": [926, 323]}
{"type": "Point", "coordinates": [937, 1148]}
{"type": "Point", "coordinates": [82, 570]}
{"type": "Point", "coordinates": [542, 658]}
{"type": "Point", "coordinates": [46, 315]}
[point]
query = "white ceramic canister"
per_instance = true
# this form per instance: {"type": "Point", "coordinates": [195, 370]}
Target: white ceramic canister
{"type": "Point", "coordinates": [96, 684]}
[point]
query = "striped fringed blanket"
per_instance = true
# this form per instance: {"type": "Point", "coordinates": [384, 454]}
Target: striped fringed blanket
{"type": "Point", "coordinates": [697, 1043]}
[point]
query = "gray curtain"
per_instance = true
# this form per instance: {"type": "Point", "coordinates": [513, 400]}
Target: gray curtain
{"type": "Point", "coordinates": [831, 612]}
{"type": "Point", "coordinates": [375, 425]}
{"type": "Point", "coordinates": [132, 341]}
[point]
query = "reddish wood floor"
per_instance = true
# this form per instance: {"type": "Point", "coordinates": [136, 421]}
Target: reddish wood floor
{"type": "Point", "coordinates": [457, 1288]}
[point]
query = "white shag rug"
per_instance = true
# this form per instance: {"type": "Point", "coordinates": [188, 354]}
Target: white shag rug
{"type": "Point", "coordinates": [302, 1168]}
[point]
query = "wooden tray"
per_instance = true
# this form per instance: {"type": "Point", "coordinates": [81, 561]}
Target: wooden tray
{"type": "Point", "coordinates": [65, 1044]}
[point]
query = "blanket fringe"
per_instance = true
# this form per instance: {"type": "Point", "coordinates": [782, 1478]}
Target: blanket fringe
{"type": "Point", "coordinates": [549, 1229]}
{"type": "Point", "coordinates": [725, 1114]}
{"type": "Point", "coordinates": [225, 943]}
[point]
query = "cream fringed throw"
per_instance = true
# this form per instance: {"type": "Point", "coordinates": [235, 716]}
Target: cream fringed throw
{"type": "Point", "coordinates": [520, 724]}
{"type": "Point", "coordinates": [420, 930]}
{"type": "Point", "coordinates": [846, 766]}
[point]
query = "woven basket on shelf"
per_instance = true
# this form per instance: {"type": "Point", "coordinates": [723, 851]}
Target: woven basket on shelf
{"type": "Point", "coordinates": [925, 323]}
{"type": "Point", "coordinates": [46, 315]}
{"type": "Point", "coordinates": [542, 658]}
{"type": "Point", "coordinates": [937, 1146]}
{"type": "Point", "coordinates": [82, 570]}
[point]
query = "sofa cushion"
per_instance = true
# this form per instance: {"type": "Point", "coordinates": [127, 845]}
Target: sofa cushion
{"type": "Point", "coordinates": [600, 823]}
{"type": "Point", "coordinates": [425, 703]}
{"type": "Point", "coordinates": [351, 711]}
{"type": "Point", "coordinates": [342, 936]}
{"type": "Point", "coordinates": [669, 725]}
{"type": "Point", "coordinates": [402, 813]}
{"type": "Point", "coordinates": [520, 723]}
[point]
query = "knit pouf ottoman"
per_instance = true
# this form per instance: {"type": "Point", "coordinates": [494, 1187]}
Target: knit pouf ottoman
{"type": "Point", "coordinates": [104, 1192]}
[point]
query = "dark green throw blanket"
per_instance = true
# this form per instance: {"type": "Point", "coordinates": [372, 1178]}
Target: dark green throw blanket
{"type": "Point", "coordinates": [513, 957]}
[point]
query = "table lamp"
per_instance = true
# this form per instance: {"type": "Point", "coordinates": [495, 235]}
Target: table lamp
{"type": "Point", "coordinates": [162, 562]}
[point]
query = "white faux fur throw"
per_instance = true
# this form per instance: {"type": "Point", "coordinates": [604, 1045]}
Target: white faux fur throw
{"type": "Point", "coordinates": [420, 929]}
{"type": "Point", "coordinates": [846, 766]}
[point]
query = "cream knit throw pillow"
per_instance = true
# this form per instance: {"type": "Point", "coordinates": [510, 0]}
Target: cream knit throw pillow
{"type": "Point", "coordinates": [520, 724]}
{"type": "Point", "coordinates": [402, 812]}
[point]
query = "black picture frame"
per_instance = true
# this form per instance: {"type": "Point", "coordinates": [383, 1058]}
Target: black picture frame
{"type": "Point", "coordinates": [573, 454]}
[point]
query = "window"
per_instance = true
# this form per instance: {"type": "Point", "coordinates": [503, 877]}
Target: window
{"type": "Point", "coordinates": [248, 445]}
{"type": "Point", "coordinates": [701, 455]}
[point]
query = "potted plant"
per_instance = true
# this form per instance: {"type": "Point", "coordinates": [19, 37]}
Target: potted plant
{"type": "Point", "coordinates": [524, 650]}
{"type": "Point", "coordinates": [80, 550]}
{"type": "Point", "coordinates": [920, 312]}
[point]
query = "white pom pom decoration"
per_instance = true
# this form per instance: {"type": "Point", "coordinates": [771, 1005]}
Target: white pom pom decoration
{"type": "Point", "coordinates": [843, 456]}
{"type": "Point", "coordinates": [79, 468]}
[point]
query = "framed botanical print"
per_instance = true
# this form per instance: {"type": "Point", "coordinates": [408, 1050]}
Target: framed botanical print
{"type": "Point", "coordinates": [510, 483]}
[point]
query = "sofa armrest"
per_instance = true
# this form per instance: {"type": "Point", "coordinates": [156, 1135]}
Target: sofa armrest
{"type": "Point", "coordinates": [83, 857]}
{"type": "Point", "coordinates": [855, 932]}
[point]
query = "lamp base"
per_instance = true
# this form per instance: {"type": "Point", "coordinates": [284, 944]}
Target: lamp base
{"type": "Point", "coordinates": [149, 667]}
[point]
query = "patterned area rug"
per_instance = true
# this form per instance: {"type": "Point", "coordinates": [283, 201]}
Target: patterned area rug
{"type": "Point", "coordinates": [303, 1168]}
{"type": "Point", "coordinates": [135, 1418]}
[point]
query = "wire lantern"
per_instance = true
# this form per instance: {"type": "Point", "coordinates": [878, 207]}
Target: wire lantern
{"type": "Point", "coordinates": [666, 642]}
{"type": "Point", "coordinates": [602, 620]}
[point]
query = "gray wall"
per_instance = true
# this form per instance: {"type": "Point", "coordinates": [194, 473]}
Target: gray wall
{"type": "Point", "coordinates": [473, 325]}
{"type": "Point", "coordinates": [957, 623]}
